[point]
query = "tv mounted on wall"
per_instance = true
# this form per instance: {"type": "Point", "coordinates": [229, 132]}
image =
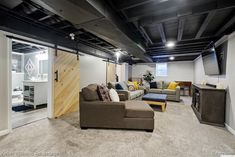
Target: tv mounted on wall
{"type": "Point", "coordinates": [210, 62]}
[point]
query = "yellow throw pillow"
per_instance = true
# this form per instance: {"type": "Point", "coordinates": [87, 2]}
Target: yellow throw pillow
{"type": "Point", "coordinates": [136, 84]}
{"type": "Point", "coordinates": [172, 85]}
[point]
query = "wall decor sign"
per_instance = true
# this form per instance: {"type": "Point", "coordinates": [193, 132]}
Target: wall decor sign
{"type": "Point", "coordinates": [29, 67]}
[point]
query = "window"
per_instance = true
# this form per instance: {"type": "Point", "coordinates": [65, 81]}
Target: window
{"type": "Point", "coordinates": [161, 69]}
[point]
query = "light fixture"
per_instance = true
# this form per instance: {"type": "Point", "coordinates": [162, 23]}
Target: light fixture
{"type": "Point", "coordinates": [170, 44]}
{"type": "Point", "coordinates": [72, 36]}
{"type": "Point", "coordinates": [118, 54]}
{"type": "Point", "coordinates": [172, 58]}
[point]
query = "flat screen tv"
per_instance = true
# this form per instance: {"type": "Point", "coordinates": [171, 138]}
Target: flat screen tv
{"type": "Point", "coordinates": [210, 62]}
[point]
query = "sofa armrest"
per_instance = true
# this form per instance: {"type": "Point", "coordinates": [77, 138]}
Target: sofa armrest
{"type": "Point", "coordinates": [177, 93]}
{"type": "Point", "coordinates": [125, 94]}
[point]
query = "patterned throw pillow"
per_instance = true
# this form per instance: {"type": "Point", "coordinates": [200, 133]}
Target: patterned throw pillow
{"type": "Point", "coordinates": [131, 87]}
{"type": "Point", "coordinates": [103, 92]}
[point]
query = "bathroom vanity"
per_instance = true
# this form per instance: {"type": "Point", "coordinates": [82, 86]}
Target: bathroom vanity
{"type": "Point", "coordinates": [35, 92]}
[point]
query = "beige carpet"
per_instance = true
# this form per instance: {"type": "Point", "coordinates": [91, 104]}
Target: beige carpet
{"type": "Point", "coordinates": [177, 133]}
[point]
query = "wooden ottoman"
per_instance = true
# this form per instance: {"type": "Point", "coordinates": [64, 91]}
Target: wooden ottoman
{"type": "Point", "coordinates": [156, 99]}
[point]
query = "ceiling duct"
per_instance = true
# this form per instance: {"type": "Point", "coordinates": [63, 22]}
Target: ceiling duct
{"type": "Point", "coordinates": [99, 19]}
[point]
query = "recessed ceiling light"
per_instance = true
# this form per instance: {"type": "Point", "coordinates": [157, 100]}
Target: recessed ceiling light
{"type": "Point", "coordinates": [170, 44]}
{"type": "Point", "coordinates": [172, 58]}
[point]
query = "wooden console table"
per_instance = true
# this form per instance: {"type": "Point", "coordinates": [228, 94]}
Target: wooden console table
{"type": "Point", "coordinates": [186, 84]}
{"type": "Point", "coordinates": [208, 104]}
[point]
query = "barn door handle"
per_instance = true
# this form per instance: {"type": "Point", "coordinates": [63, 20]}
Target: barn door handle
{"type": "Point", "coordinates": [56, 75]}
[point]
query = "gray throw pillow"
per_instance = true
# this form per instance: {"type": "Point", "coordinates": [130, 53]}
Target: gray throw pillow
{"type": "Point", "coordinates": [124, 85]}
{"type": "Point", "coordinates": [159, 84]}
{"type": "Point", "coordinates": [90, 93]}
{"type": "Point", "coordinates": [165, 84]}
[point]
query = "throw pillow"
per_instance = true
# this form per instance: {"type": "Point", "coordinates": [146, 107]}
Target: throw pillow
{"type": "Point", "coordinates": [114, 95]}
{"type": "Point", "coordinates": [124, 85]}
{"type": "Point", "coordinates": [131, 87]}
{"type": "Point", "coordinates": [118, 86]}
{"type": "Point", "coordinates": [172, 85]}
{"type": "Point", "coordinates": [90, 93]}
{"type": "Point", "coordinates": [153, 84]}
{"type": "Point", "coordinates": [103, 92]}
{"type": "Point", "coordinates": [165, 84]}
{"type": "Point", "coordinates": [159, 84]}
{"type": "Point", "coordinates": [136, 84]}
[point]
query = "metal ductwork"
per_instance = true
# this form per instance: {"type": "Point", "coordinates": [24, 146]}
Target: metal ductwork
{"type": "Point", "coordinates": [99, 19]}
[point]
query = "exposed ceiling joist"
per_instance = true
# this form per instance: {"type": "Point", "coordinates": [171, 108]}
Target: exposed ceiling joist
{"type": "Point", "coordinates": [146, 35]}
{"type": "Point", "coordinates": [160, 54]}
{"type": "Point", "coordinates": [180, 29]}
{"type": "Point", "coordinates": [162, 32]}
{"type": "Point", "coordinates": [226, 26]}
{"type": "Point", "coordinates": [132, 5]}
{"type": "Point", "coordinates": [205, 23]}
{"type": "Point", "coordinates": [177, 55]}
{"type": "Point", "coordinates": [197, 10]}
{"type": "Point", "coordinates": [179, 49]}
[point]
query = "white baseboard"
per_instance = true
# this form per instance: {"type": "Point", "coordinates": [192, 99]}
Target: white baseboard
{"type": "Point", "coordinates": [4, 132]}
{"type": "Point", "coordinates": [229, 129]}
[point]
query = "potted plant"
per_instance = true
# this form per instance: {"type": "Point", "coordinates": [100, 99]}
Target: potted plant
{"type": "Point", "coordinates": [148, 77]}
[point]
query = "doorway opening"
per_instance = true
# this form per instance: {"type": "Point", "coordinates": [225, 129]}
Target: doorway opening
{"type": "Point", "coordinates": [30, 68]}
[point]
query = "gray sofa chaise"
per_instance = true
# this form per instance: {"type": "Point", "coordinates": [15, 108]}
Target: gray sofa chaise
{"type": "Point", "coordinates": [121, 115]}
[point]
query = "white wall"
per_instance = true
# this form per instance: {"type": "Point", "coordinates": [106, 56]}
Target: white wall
{"type": "Point", "coordinates": [177, 71]}
{"type": "Point", "coordinates": [92, 70]}
{"type": "Point", "coordinates": [228, 80]}
{"type": "Point", "coordinates": [4, 81]}
{"type": "Point", "coordinates": [17, 80]}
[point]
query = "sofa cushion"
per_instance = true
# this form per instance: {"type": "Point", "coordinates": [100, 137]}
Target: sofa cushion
{"type": "Point", "coordinates": [153, 90]}
{"type": "Point", "coordinates": [138, 109]}
{"type": "Point", "coordinates": [131, 87]}
{"type": "Point", "coordinates": [169, 91]}
{"type": "Point", "coordinates": [114, 95]}
{"type": "Point", "coordinates": [153, 84]}
{"type": "Point", "coordinates": [136, 94]}
{"type": "Point", "coordinates": [103, 92]}
{"type": "Point", "coordinates": [159, 84]}
{"type": "Point", "coordinates": [123, 85]}
{"type": "Point", "coordinates": [118, 87]}
{"type": "Point", "coordinates": [172, 85]}
{"type": "Point", "coordinates": [89, 93]}
{"type": "Point", "coordinates": [165, 84]}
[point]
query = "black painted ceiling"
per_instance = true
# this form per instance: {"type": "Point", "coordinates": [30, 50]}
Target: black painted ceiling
{"type": "Point", "coordinates": [25, 47]}
{"type": "Point", "coordinates": [191, 24]}
{"type": "Point", "coordinates": [28, 10]}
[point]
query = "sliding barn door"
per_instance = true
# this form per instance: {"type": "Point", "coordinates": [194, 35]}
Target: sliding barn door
{"type": "Point", "coordinates": [111, 71]}
{"type": "Point", "coordinates": [66, 83]}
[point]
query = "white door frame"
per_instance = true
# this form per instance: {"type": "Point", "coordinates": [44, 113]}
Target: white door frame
{"type": "Point", "coordinates": [9, 74]}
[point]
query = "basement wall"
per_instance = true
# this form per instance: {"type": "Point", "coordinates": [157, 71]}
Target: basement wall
{"type": "Point", "coordinates": [4, 82]}
{"type": "Point", "coordinates": [177, 71]}
{"type": "Point", "coordinates": [92, 70]}
{"type": "Point", "coordinates": [227, 80]}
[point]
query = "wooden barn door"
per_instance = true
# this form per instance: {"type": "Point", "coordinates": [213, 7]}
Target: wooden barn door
{"type": "Point", "coordinates": [111, 71]}
{"type": "Point", "coordinates": [66, 83]}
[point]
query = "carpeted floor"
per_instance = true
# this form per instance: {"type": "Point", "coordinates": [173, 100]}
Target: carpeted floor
{"type": "Point", "coordinates": [177, 133]}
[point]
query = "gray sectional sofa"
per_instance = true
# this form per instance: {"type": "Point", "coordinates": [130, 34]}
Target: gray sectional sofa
{"type": "Point", "coordinates": [123, 115]}
{"type": "Point", "coordinates": [128, 95]}
{"type": "Point", "coordinates": [172, 95]}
